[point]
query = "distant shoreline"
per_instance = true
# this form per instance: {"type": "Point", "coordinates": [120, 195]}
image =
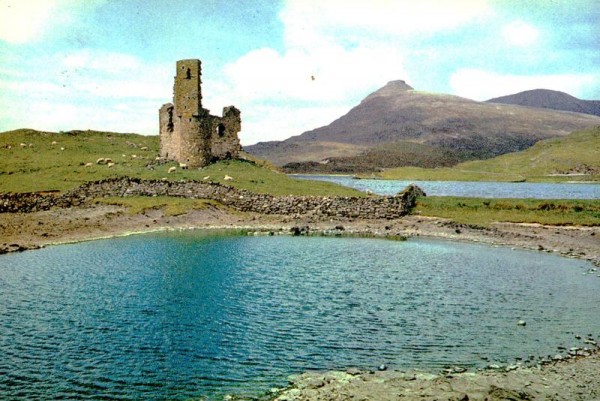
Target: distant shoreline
{"type": "Point", "coordinates": [24, 231]}
{"type": "Point", "coordinates": [364, 176]}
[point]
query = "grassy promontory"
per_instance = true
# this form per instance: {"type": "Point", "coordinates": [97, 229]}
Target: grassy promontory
{"type": "Point", "coordinates": [32, 161]}
{"type": "Point", "coordinates": [570, 158]}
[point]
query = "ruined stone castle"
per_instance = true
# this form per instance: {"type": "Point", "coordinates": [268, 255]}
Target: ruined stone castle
{"type": "Point", "coordinates": [188, 133]}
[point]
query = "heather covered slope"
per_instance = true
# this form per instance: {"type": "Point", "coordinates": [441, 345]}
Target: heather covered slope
{"type": "Point", "coordinates": [549, 99]}
{"type": "Point", "coordinates": [396, 115]}
{"type": "Point", "coordinates": [571, 158]}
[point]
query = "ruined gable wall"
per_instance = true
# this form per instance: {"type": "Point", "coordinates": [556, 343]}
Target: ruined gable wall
{"type": "Point", "coordinates": [225, 143]}
{"type": "Point", "coordinates": [169, 140]}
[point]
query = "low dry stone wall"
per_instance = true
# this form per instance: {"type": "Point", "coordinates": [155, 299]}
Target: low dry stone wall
{"type": "Point", "coordinates": [387, 207]}
{"type": "Point", "coordinates": [27, 202]}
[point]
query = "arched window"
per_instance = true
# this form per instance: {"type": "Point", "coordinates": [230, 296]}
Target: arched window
{"type": "Point", "coordinates": [220, 130]}
{"type": "Point", "coordinates": [188, 74]}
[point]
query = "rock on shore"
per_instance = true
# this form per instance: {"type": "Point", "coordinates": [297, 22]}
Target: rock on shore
{"type": "Point", "coordinates": [573, 380]}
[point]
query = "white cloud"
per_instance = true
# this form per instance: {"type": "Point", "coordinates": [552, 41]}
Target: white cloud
{"type": "Point", "coordinates": [113, 75]}
{"type": "Point", "coordinates": [265, 123]}
{"type": "Point", "coordinates": [87, 89]}
{"type": "Point", "coordinates": [108, 62]}
{"type": "Point", "coordinates": [484, 85]}
{"type": "Point", "coordinates": [309, 22]}
{"type": "Point", "coordinates": [519, 33]}
{"type": "Point", "coordinates": [23, 21]}
{"type": "Point", "coordinates": [32, 88]}
{"type": "Point", "coordinates": [326, 75]}
{"type": "Point", "coordinates": [336, 52]}
{"type": "Point", "coordinates": [65, 116]}
{"type": "Point", "coordinates": [62, 114]}
{"type": "Point", "coordinates": [324, 78]}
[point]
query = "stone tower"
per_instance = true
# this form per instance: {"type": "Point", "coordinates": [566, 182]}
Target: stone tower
{"type": "Point", "coordinates": [188, 133]}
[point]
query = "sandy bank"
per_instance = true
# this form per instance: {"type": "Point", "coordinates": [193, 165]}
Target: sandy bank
{"type": "Point", "coordinates": [21, 231]}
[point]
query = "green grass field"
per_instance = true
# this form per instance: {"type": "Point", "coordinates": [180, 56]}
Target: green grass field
{"type": "Point", "coordinates": [571, 158]}
{"type": "Point", "coordinates": [171, 206]}
{"type": "Point", "coordinates": [43, 161]}
{"type": "Point", "coordinates": [485, 211]}
{"type": "Point", "coordinates": [61, 161]}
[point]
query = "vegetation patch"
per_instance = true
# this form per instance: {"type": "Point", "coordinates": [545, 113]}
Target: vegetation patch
{"type": "Point", "coordinates": [389, 155]}
{"type": "Point", "coordinates": [171, 206]}
{"type": "Point", "coordinates": [570, 158]}
{"type": "Point", "coordinates": [481, 211]}
{"type": "Point", "coordinates": [257, 178]}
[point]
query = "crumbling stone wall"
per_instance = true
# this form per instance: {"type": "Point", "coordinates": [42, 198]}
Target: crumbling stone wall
{"type": "Point", "coordinates": [188, 133]}
{"type": "Point", "coordinates": [169, 143]}
{"type": "Point", "coordinates": [223, 145]}
{"type": "Point", "coordinates": [380, 207]}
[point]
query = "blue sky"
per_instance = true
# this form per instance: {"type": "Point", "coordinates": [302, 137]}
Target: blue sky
{"type": "Point", "coordinates": [289, 65]}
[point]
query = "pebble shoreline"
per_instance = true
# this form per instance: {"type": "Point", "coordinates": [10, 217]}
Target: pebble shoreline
{"type": "Point", "coordinates": [556, 378]}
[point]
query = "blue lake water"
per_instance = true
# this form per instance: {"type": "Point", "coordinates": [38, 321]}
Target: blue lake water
{"type": "Point", "coordinates": [473, 189]}
{"type": "Point", "coordinates": [193, 314]}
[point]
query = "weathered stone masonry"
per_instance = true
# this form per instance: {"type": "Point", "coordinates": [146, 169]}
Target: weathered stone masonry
{"type": "Point", "coordinates": [387, 207]}
{"type": "Point", "coordinates": [188, 133]}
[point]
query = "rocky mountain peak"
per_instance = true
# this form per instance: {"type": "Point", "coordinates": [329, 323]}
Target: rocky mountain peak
{"type": "Point", "coordinates": [392, 88]}
{"type": "Point", "coordinates": [398, 86]}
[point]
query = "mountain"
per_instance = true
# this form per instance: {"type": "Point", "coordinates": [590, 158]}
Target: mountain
{"type": "Point", "coordinates": [399, 126]}
{"type": "Point", "coordinates": [549, 99]}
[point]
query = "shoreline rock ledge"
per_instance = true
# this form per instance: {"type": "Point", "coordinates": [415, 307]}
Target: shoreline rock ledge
{"type": "Point", "coordinates": [575, 379]}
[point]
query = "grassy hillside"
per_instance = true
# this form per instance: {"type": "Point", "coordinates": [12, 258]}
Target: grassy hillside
{"type": "Point", "coordinates": [571, 158]}
{"type": "Point", "coordinates": [45, 161]}
{"type": "Point", "coordinates": [390, 155]}
{"type": "Point", "coordinates": [485, 211]}
{"type": "Point", "coordinates": [282, 153]}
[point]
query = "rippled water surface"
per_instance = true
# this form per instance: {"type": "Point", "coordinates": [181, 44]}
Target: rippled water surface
{"type": "Point", "coordinates": [180, 315]}
{"type": "Point", "coordinates": [474, 189]}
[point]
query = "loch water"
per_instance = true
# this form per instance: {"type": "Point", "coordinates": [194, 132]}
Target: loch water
{"type": "Point", "coordinates": [194, 314]}
{"type": "Point", "coordinates": [471, 189]}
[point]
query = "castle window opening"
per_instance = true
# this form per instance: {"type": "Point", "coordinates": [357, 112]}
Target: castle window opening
{"type": "Point", "coordinates": [188, 74]}
{"type": "Point", "coordinates": [220, 129]}
{"type": "Point", "coordinates": [170, 124]}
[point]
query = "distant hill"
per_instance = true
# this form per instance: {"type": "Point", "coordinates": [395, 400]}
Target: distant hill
{"type": "Point", "coordinates": [399, 126]}
{"type": "Point", "coordinates": [549, 99]}
{"type": "Point", "coordinates": [570, 158]}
